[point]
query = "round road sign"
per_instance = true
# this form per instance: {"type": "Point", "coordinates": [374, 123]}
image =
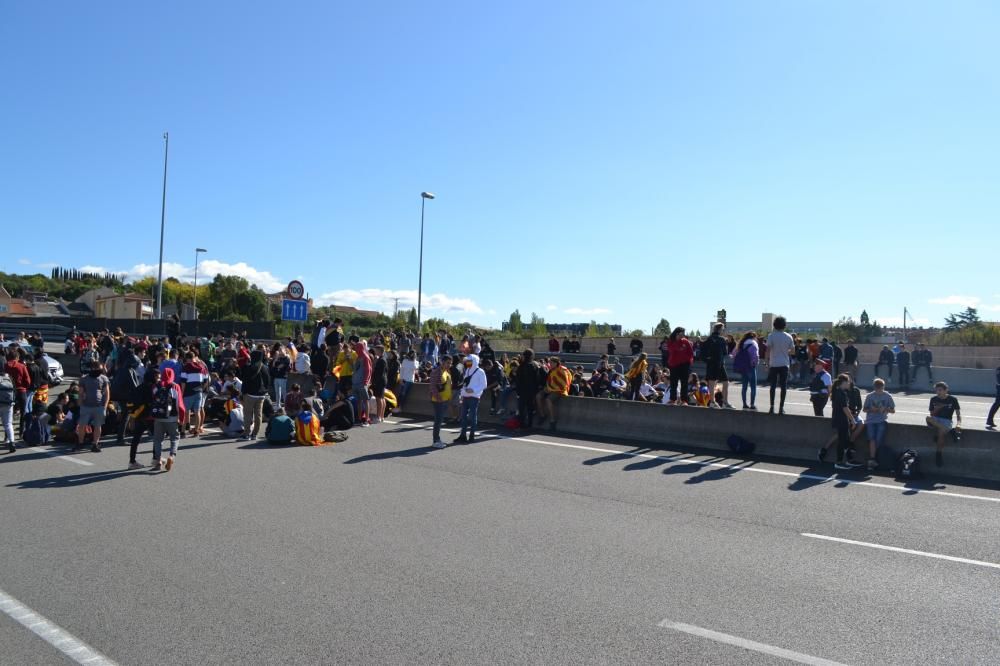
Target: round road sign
{"type": "Point", "coordinates": [296, 290]}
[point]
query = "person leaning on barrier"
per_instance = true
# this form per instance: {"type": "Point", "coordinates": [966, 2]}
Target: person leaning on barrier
{"type": "Point", "coordinates": [557, 383]}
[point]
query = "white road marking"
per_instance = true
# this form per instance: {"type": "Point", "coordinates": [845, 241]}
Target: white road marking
{"type": "Point", "coordinates": [56, 636]}
{"type": "Point", "coordinates": [738, 467]}
{"type": "Point", "coordinates": [728, 639]}
{"type": "Point", "coordinates": [58, 453]}
{"type": "Point", "coordinates": [908, 551]}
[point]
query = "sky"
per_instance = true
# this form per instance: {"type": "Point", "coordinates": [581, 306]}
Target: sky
{"type": "Point", "coordinates": [616, 162]}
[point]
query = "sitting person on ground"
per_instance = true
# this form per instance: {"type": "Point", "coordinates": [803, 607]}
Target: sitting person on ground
{"type": "Point", "coordinates": [280, 429]}
{"type": "Point", "coordinates": [943, 408]}
{"type": "Point", "coordinates": [308, 429]}
{"type": "Point", "coordinates": [340, 415]}
{"type": "Point", "coordinates": [234, 422]}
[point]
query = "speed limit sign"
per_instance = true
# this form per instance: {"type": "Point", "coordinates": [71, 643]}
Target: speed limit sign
{"type": "Point", "coordinates": [296, 290]}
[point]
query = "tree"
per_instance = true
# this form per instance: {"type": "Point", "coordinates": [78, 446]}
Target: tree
{"type": "Point", "coordinates": [962, 320]}
{"type": "Point", "coordinates": [537, 325]}
{"type": "Point", "coordinates": [663, 328]}
{"type": "Point", "coordinates": [514, 323]}
{"type": "Point", "coordinates": [411, 318]}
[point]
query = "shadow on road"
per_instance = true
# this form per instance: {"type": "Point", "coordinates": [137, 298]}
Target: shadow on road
{"type": "Point", "coordinates": [389, 455]}
{"type": "Point", "coordinates": [73, 480]}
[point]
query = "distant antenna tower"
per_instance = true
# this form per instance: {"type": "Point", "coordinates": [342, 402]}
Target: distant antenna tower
{"type": "Point", "coordinates": [395, 307]}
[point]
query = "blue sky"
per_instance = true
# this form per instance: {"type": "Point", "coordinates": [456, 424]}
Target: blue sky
{"type": "Point", "coordinates": [610, 161]}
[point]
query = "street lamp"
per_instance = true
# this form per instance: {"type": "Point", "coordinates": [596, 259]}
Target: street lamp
{"type": "Point", "coordinates": [424, 196]}
{"type": "Point", "coordinates": [194, 306]}
{"type": "Point", "coordinates": [163, 218]}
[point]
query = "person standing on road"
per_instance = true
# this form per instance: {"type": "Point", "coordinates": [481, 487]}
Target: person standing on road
{"type": "Point", "coordinates": [18, 372]}
{"type": "Point", "coordinates": [361, 379]}
{"type": "Point", "coordinates": [380, 379]}
{"type": "Point", "coordinates": [819, 387]}
{"type": "Point", "coordinates": [279, 369]}
{"type": "Point", "coordinates": [557, 383]}
{"type": "Point", "coordinates": [142, 418]}
{"type": "Point", "coordinates": [95, 391]}
{"type": "Point", "coordinates": [990, 423]}
{"type": "Point", "coordinates": [944, 407]}
{"type": "Point", "coordinates": [194, 378]}
{"type": "Point", "coordinates": [746, 356]}
{"type": "Point", "coordinates": [878, 405]}
{"type": "Point", "coordinates": [681, 354]}
{"type": "Point", "coordinates": [851, 360]}
{"type": "Point", "coordinates": [779, 349]}
{"type": "Point", "coordinates": [903, 366]}
{"type": "Point", "coordinates": [256, 382]}
{"type": "Point", "coordinates": [440, 385]}
{"type": "Point", "coordinates": [471, 390]}
{"type": "Point", "coordinates": [842, 420]}
{"type": "Point", "coordinates": [8, 394]}
{"type": "Point", "coordinates": [167, 410]}
{"type": "Point", "coordinates": [714, 352]}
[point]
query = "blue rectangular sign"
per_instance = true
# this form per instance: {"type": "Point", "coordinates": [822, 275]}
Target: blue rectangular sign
{"type": "Point", "coordinates": [294, 310]}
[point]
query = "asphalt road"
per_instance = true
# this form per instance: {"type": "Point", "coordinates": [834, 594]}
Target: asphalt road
{"type": "Point", "coordinates": [534, 550]}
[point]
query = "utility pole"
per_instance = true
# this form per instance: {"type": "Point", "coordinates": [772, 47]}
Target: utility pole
{"type": "Point", "coordinates": [395, 307]}
{"type": "Point", "coordinates": [163, 218]}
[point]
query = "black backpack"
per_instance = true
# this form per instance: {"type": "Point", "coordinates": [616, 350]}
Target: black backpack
{"type": "Point", "coordinates": [164, 403]}
{"type": "Point", "coordinates": [908, 465]}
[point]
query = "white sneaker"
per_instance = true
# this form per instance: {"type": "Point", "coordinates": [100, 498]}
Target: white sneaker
{"type": "Point", "coordinates": [439, 445]}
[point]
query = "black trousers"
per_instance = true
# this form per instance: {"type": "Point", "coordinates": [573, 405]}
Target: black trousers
{"type": "Point", "coordinates": [680, 374]}
{"type": "Point", "coordinates": [819, 403]}
{"type": "Point", "coordinates": [526, 409]}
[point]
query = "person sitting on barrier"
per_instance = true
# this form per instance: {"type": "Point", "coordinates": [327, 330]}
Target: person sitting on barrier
{"type": "Point", "coordinates": [702, 395]}
{"type": "Point", "coordinates": [618, 386]}
{"type": "Point", "coordinates": [557, 382]}
{"type": "Point", "coordinates": [600, 384]}
{"type": "Point", "coordinates": [944, 407]}
{"type": "Point", "coordinates": [877, 407]}
{"type": "Point", "coordinates": [922, 358]}
{"type": "Point", "coordinates": [886, 358]}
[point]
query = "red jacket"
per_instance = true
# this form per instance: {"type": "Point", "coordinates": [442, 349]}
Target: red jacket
{"type": "Point", "coordinates": [680, 352]}
{"type": "Point", "coordinates": [19, 375]}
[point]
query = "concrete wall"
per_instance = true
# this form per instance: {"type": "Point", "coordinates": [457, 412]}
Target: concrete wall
{"type": "Point", "coordinates": [797, 438]}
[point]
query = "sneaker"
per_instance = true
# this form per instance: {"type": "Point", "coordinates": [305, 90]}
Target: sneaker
{"type": "Point", "coordinates": [135, 465]}
{"type": "Point", "coordinates": [822, 454]}
{"type": "Point", "coordinates": [991, 426]}
{"type": "Point", "coordinates": [472, 440]}
{"type": "Point", "coordinates": [461, 439]}
{"type": "Point", "coordinates": [771, 411]}
{"type": "Point", "coordinates": [500, 412]}
{"type": "Point", "coordinates": [156, 466]}
{"type": "Point", "coordinates": [11, 448]}
{"type": "Point", "coordinates": [170, 463]}
{"type": "Point", "coordinates": [753, 408]}
{"type": "Point", "coordinates": [781, 411]}
{"type": "Point", "coordinates": [746, 407]}
{"type": "Point", "coordinates": [493, 412]}
{"type": "Point", "coordinates": [95, 448]}
{"type": "Point", "coordinates": [872, 465]}
{"type": "Point", "coordinates": [365, 425]}
{"type": "Point", "coordinates": [841, 465]}
{"type": "Point", "coordinates": [439, 444]}
{"type": "Point", "coordinates": [727, 405]}
{"type": "Point", "coordinates": [853, 464]}
{"type": "Point", "coordinates": [938, 458]}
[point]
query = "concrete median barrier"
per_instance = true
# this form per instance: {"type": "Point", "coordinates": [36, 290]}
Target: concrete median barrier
{"type": "Point", "coordinates": [798, 438]}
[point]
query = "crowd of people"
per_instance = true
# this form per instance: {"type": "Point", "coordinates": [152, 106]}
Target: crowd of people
{"type": "Point", "coordinates": [306, 389]}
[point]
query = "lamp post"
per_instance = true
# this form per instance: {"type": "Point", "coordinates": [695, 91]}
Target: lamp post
{"type": "Point", "coordinates": [194, 305]}
{"type": "Point", "coordinates": [424, 196]}
{"type": "Point", "coordinates": [163, 217]}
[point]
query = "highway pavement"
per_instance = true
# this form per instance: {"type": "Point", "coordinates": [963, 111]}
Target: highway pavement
{"type": "Point", "coordinates": [540, 549]}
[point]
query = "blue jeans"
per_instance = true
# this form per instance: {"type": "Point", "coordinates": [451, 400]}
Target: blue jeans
{"type": "Point", "coordinates": [750, 379]}
{"type": "Point", "coordinates": [876, 432]}
{"type": "Point", "coordinates": [470, 415]}
{"type": "Point", "coordinates": [440, 409]}
{"type": "Point", "coordinates": [29, 398]}
{"type": "Point", "coordinates": [404, 390]}
{"type": "Point", "coordinates": [280, 390]}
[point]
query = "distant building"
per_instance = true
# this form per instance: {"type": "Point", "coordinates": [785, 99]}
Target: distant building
{"type": "Point", "coordinates": [124, 306]}
{"type": "Point", "coordinates": [89, 298]}
{"type": "Point", "coordinates": [766, 323]}
{"type": "Point", "coordinates": [14, 307]}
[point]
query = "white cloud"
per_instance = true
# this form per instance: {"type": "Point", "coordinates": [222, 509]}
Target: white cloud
{"type": "Point", "coordinates": [586, 311]}
{"type": "Point", "coordinates": [386, 299]}
{"type": "Point", "coordinates": [964, 301]}
{"type": "Point", "coordinates": [24, 262]}
{"type": "Point", "coordinates": [47, 264]}
{"type": "Point", "coordinates": [207, 270]}
{"type": "Point", "coordinates": [551, 308]}
{"type": "Point", "coordinates": [990, 308]}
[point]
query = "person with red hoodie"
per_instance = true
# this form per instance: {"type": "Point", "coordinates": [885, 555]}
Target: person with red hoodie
{"type": "Point", "coordinates": [167, 409]}
{"type": "Point", "coordinates": [680, 354]}
{"type": "Point", "coordinates": [19, 374]}
{"type": "Point", "coordinates": [361, 379]}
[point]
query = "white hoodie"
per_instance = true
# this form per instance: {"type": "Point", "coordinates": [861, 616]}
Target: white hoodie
{"type": "Point", "coordinates": [473, 379]}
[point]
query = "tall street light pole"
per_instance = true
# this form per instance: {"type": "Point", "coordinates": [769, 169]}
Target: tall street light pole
{"type": "Point", "coordinates": [163, 219]}
{"type": "Point", "coordinates": [424, 196]}
{"type": "Point", "coordinates": [194, 306]}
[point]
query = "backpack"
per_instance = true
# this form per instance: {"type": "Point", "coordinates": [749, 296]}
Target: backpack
{"type": "Point", "coordinates": [6, 390]}
{"type": "Point", "coordinates": [741, 362]}
{"type": "Point", "coordinates": [908, 465]}
{"type": "Point", "coordinates": [39, 377]}
{"type": "Point", "coordinates": [513, 423]}
{"type": "Point", "coordinates": [125, 386]}
{"type": "Point", "coordinates": [35, 432]}
{"type": "Point", "coordinates": [164, 403]}
{"type": "Point", "coordinates": [739, 445]}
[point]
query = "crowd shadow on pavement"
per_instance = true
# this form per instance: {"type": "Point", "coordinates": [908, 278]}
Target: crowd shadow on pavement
{"type": "Point", "coordinates": [820, 476]}
{"type": "Point", "coordinates": [74, 480]}
{"type": "Point", "coordinates": [389, 455]}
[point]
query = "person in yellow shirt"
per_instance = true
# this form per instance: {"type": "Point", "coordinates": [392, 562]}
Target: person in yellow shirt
{"type": "Point", "coordinates": [344, 368]}
{"type": "Point", "coordinates": [557, 382]}
{"type": "Point", "coordinates": [440, 381]}
{"type": "Point", "coordinates": [634, 376]}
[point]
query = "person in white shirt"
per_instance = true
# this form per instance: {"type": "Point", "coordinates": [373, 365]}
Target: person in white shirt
{"type": "Point", "coordinates": [780, 346]}
{"type": "Point", "coordinates": [407, 375]}
{"type": "Point", "coordinates": [302, 361]}
{"type": "Point", "coordinates": [470, 391]}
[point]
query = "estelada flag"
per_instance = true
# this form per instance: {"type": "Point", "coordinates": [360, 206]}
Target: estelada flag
{"type": "Point", "coordinates": [308, 430]}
